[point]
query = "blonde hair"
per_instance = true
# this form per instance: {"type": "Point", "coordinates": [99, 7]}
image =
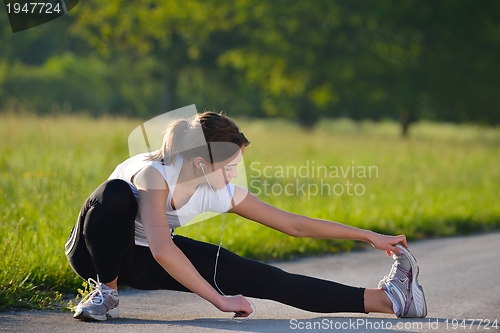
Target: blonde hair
{"type": "Point", "coordinates": [183, 137]}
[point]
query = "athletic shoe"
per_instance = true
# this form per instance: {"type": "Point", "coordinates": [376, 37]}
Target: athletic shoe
{"type": "Point", "coordinates": [101, 304]}
{"type": "Point", "coordinates": [402, 285]}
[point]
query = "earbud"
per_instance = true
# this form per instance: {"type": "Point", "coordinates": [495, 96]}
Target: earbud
{"type": "Point", "coordinates": [202, 169]}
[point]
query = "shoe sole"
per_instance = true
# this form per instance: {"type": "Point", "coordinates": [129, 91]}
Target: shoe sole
{"type": "Point", "coordinates": [417, 290]}
{"type": "Point", "coordinates": [87, 316]}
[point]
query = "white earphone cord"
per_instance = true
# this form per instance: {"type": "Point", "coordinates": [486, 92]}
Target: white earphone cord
{"type": "Point", "coordinates": [215, 272]}
{"type": "Point", "coordinates": [220, 245]}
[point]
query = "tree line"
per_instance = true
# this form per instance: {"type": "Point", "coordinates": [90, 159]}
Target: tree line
{"type": "Point", "coordinates": [302, 60]}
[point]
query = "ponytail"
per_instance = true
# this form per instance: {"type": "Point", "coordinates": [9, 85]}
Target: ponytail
{"type": "Point", "coordinates": [173, 140]}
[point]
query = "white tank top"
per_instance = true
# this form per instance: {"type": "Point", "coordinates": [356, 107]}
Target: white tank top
{"type": "Point", "coordinates": [203, 204]}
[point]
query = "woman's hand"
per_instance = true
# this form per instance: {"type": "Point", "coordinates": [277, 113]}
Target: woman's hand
{"type": "Point", "coordinates": [237, 304]}
{"type": "Point", "coordinates": [386, 243]}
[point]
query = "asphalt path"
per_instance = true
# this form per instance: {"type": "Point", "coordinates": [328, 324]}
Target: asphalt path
{"type": "Point", "coordinates": [460, 277]}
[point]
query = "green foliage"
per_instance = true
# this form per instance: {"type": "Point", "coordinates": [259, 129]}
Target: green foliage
{"type": "Point", "coordinates": [81, 294]}
{"type": "Point", "coordinates": [65, 76]}
{"type": "Point", "coordinates": [69, 83]}
{"type": "Point", "coordinates": [441, 182]}
{"type": "Point", "coordinates": [24, 294]}
{"type": "Point", "coordinates": [408, 60]}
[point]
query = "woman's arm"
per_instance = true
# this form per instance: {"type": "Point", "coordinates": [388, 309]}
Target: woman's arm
{"type": "Point", "coordinates": [296, 225]}
{"type": "Point", "coordinates": [153, 193]}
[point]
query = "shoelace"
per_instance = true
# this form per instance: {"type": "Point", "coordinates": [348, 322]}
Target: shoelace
{"type": "Point", "coordinates": [392, 273]}
{"type": "Point", "coordinates": [96, 296]}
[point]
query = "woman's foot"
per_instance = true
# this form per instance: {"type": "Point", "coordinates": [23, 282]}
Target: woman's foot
{"type": "Point", "coordinates": [401, 286]}
{"type": "Point", "coordinates": [101, 304]}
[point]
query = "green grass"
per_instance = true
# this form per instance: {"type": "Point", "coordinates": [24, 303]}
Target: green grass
{"type": "Point", "coordinates": [441, 181]}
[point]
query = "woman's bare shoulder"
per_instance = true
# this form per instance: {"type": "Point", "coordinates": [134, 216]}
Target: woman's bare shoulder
{"type": "Point", "coordinates": [149, 178]}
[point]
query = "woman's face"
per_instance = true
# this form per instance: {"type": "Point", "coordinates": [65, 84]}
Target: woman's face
{"type": "Point", "coordinates": [224, 171]}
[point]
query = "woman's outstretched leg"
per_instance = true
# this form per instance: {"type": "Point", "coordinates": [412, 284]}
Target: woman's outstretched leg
{"type": "Point", "coordinates": [307, 293]}
{"type": "Point", "coordinates": [237, 275]}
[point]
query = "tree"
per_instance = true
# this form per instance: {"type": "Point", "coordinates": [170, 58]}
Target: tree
{"type": "Point", "coordinates": [446, 69]}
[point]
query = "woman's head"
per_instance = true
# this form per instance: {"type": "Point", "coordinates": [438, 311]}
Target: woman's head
{"type": "Point", "coordinates": [210, 136]}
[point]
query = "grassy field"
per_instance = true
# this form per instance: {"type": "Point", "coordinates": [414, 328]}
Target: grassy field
{"type": "Point", "coordinates": [441, 181]}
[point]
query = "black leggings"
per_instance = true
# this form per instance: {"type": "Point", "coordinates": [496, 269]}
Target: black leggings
{"type": "Point", "coordinates": [102, 243]}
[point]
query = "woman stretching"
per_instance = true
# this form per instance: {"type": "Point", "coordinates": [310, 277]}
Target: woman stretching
{"type": "Point", "coordinates": [124, 235]}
